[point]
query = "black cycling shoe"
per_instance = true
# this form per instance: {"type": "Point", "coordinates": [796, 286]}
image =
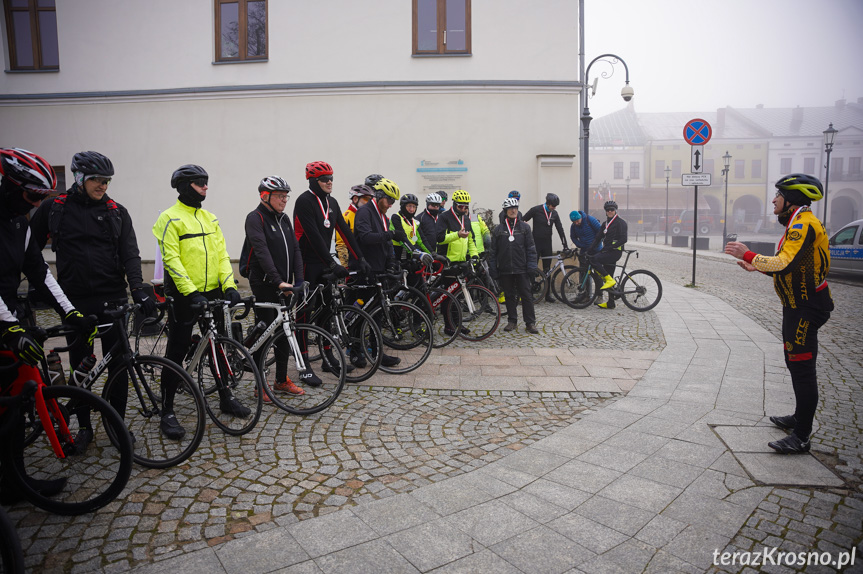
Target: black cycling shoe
{"type": "Point", "coordinates": [791, 444]}
{"type": "Point", "coordinates": [308, 377]}
{"type": "Point", "coordinates": [509, 327]}
{"type": "Point", "coordinates": [83, 438]}
{"type": "Point", "coordinates": [327, 368]}
{"type": "Point", "coordinates": [171, 427]}
{"type": "Point", "coordinates": [388, 361]}
{"type": "Point", "coordinates": [358, 360]}
{"type": "Point", "coordinates": [786, 423]}
{"type": "Point", "coordinates": [231, 406]}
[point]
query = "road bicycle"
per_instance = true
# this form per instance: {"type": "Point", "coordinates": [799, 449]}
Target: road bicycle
{"type": "Point", "coordinates": [479, 306]}
{"type": "Point", "coordinates": [543, 281]}
{"type": "Point", "coordinates": [640, 290]}
{"type": "Point", "coordinates": [280, 347]}
{"type": "Point", "coordinates": [440, 306]}
{"type": "Point", "coordinates": [223, 370]}
{"type": "Point", "coordinates": [38, 438]}
{"type": "Point", "coordinates": [144, 409]}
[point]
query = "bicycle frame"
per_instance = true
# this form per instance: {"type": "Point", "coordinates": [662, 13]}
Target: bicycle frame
{"type": "Point", "coordinates": [285, 320]}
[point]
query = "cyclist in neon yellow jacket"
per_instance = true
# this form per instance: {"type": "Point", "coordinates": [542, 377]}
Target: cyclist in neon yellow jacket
{"type": "Point", "coordinates": [198, 269]}
{"type": "Point", "coordinates": [454, 229]}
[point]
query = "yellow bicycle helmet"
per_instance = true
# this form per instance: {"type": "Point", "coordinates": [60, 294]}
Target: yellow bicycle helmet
{"type": "Point", "coordinates": [387, 188]}
{"type": "Point", "coordinates": [461, 196]}
{"type": "Point", "coordinates": [800, 188]}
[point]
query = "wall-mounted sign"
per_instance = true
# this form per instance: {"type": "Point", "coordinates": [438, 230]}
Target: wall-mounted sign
{"type": "Point", "coordinates": [436, 175]}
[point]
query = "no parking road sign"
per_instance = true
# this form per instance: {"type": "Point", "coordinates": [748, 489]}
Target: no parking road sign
{"type": "Point", "coordinates": [697, 132]}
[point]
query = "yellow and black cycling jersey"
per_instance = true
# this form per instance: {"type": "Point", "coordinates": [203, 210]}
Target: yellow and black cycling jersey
{"type": "Point", "coordinates": [800, 266]}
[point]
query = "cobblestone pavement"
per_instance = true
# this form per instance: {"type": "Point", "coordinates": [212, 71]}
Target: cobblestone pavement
{"type": "Point", "coordinates": [829, 520]}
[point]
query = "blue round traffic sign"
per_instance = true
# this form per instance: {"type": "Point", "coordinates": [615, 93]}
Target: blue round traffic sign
{"type": "Point", "coordinates": [697, 132]}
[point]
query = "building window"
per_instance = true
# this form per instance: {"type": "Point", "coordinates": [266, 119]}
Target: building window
{"type": "Point", "coordinates": [836, 165]}
{"type": "Point", "coordinates": [785, 165]}
{"type": "Point", "coordinates": [808, 165]}
{"type": "Point", "coordinates": [675, 168]}
{"type": "Point", "coordinates": [241, 30]}
{"type": "Point", "coordinates": [634, 170]}
{"type": "Point", "coordinates": [659, 169]}
{"type": "Point", "coordinates": [739, 168]}
{"type": "Point", "coordinates": [32, 29]}
{"type": "Point", "coordinates": [854, 166]}
{"type": "Point", "coordinates": [441, 26]}
{"type": "Point", "coordinates": [618, 170]}
{"type": "Point", "coordinates": [756, 168]}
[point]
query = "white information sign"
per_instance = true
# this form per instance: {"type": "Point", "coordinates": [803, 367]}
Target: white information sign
{"type": "Point", "coordinates": [441, 174]}
{"type": "Point", "coordinates": [699, 179]}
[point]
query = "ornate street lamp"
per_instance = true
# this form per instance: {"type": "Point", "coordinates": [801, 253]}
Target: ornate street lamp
{"type": "Point", "coordinates": [667, 177]}
{"type": "Point", "coordinates": [627, 193]}
{"type": "Point", "coordinates": [829, 135]}
{"type": "Point", "coordinates": [626, 93]}
{"type": "Point", "coordinates": [727, 159]}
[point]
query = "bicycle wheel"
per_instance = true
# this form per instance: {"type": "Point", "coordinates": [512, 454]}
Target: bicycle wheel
{"type": "Point", "coordinates": [640, 290]}
{"type": "Point", "coordinates": [226, 370]}
{"type": "Point", "coordinates": [482, 322]}
{"type": "Point", "coordinates": [359, 337]}
{"type": "Point", "coordinates": [579, 288]}
{"type": "Point", "coordinates": [144, 410]}
{"type": "Point", "coordinates": [407, 336]}
{"type": "Point", "coordinates": [86, 480]}
{"type": "Point", "coordinates": [538, 285]}
{"type": "Point", "coordinates": [152, 337]}
{"type": "Point", "coordinates": [447, 318]}
{"type": "Point", "coordinates": [11, 556]}
{"type": "Point", "coordinates": [557, 279]}
{"type": "Point", "coordinates": [328, 366]}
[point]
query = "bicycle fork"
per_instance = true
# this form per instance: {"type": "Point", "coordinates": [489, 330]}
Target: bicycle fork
{"type": "Point", "coordinates": [44, 416]}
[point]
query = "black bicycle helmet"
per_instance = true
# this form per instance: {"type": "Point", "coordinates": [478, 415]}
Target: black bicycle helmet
{"type": "Point", "coordinates": [372, 179]}
{"type": "Point", "coordinates": [186, 173]}
{"type": "Point", "coordinates": [552, 199]}
{"type": "Point", "coordinates": [800, 189]}
{"type": "Point", "coordinates": [92, 163]}
{"type": "Point", "coordinates": [610, 205]}
{"type": "Point", "coordinates": [443, 196]}
{"type": "Point", "coordinates": [409, 198]}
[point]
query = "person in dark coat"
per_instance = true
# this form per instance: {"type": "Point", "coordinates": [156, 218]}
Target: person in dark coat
{"type": "Point", "coordinates": [513, 248]}
{"type": "Point", "coordinates": [544, 217]}
{"type": "Point", "coordinates": [613, 236]}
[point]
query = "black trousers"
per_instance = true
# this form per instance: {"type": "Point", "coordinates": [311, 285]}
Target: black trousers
{"type": "Point", "coordinates": [543, 249]}
{"type": "Point", "coordinates": [604, 261]}
{"type": "Point", "coordinates": [266, 293]}
{"type": "Point", "coordinates": [800, 337]}
{"type": "Point", "coordinates": [517, 286]}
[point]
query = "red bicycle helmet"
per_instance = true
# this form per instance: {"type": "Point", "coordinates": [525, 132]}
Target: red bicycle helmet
{"type": "Point", "coordinates": [317, 169]}
{"type": "Point", "coordinates": [28, 170]}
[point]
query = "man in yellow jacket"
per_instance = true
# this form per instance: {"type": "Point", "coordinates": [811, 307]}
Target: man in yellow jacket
{"type": "Point", "coordinates": [197, 269]}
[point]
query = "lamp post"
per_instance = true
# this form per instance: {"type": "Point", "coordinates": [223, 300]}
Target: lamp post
{"type": "Point", "coordinates": [627, 193]}
{"type": "Point", "coordinates": [829, 135]}
{"type": "Point", "coordinates": [727, 159]}
{"type": "Point", "coordinates": [626, 93]}
{"type": "Point", "coordinates": [667, 178]}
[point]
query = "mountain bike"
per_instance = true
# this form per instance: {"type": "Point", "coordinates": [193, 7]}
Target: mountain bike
{"type": "Point", "coordinates": [640, 290]}
{"type": "Point", "coordinates": [543, 281]}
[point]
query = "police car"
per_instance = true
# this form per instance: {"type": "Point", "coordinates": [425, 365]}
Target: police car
{"type": "Point", "coordinates": [846, 249]}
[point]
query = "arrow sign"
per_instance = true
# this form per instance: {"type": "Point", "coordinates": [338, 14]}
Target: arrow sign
{"type": "Point", "coordinates": [697, 158]}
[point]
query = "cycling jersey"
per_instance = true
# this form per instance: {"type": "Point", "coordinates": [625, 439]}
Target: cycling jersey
{"type": "Point", "coordinates": [407, 238]}
{"type": "Point", "coordinates": [273, 256]}
{"type": "Point", "coordinates": [341, 246]}
{"type": "Point", "coordinates": [455, 248]}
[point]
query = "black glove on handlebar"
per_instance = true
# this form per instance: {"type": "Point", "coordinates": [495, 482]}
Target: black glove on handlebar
{"type": "Point", "coordinates": [197, 298]}
{"type": "Point", "coordinates": [83, 325]}
{"type": "Point", "coordinates": [147, 303]}
{"type": "Point", "coordinates": [23, 345]}
{"type": "Point", "coordinates": [339, 271]}
{"type": "Point", "coordinates": [365, 268]}
{"type": "Point", "coordinates": [233, 296]}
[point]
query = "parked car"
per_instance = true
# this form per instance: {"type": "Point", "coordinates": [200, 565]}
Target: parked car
{"type": "Point", "coordinates": [683, 223]}
{"type": "Point", "coordinates": [846, 249]}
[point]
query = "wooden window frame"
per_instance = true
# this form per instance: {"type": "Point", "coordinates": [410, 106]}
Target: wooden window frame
{"type": "Point", "coordinates": [33, 9]}
{"type": "Point", "coordinates": [242, 41]}
{"type": "Point", "coordinates": [441, 49]}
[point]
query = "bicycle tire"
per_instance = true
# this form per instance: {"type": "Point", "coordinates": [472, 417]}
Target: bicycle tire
{"type": "Point", "coordinates": [231, 372]}
{"type": "Point", "coordinates": [93, 478]}
{"type": "Point", "coordinates": [333, 377]}
{"type": "Point", "coordinates": [359, 337]}
{"type": "Point", "coordinates": [11, 555]}
{"type": "Point", "coordinates": [151, 338]}
{"type": "Point", "coordinates": [144, 409]}
{"type": "Point", "coordinates": [447, 318]}
{"type": "Point", "coordinates": [407, 336]}
{"type": "Point", "coordinates": [538, 285]}
{"type": "Point", "coordinates": [637, 289]}
{"type": "Point", "coordinates": [485, 318]}
{"type": "Point", "coordinates": [557, 278]}
{"type": "Point", "coordinates": [579, 288]}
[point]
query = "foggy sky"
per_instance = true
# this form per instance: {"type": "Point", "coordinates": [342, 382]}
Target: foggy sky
{"type": "Point", "coordinates": [700, 55]}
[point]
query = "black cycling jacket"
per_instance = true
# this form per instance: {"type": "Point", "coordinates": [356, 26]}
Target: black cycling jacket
{"type": "Point", "coordinates": [516, 256]}
{"type": "Point", "coordinates": [613, 236]}
{"type": "Point", "coordinates": [371, 232]}
{"type": "Point", "coordinates": [274, 256]}
{"type": "Point", "coordinates": [543, 220]}
{"type": "Point", "coordinates": [95, 243]}
{"type": "Point", "coordinates": [428, 229]}
{"type": "Point", "coordinates": [313, 237]}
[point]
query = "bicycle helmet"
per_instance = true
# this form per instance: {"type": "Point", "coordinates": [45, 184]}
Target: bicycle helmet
{"type": "Point", "coordinates": [387, 188]}
{"type": "Point", "coordinates": [800, 189]}
{"type": "Point", "coordinates": [409, 198]}
{"type": "Point", "coordinates": [514, 194]}
{"type": "Point", "coordinates": [510, 202]}
{"type": "Point", "coordinates": [186, 173]}
{"type": "Point", "coordinates": [443, 196]}
{"type": "Point", "coordinates": [460, 196]}
{"type": "Point", "coordinates": [552, 199]}
{"type": "Point", "coordinates": [92, 163]}
{"type": "Point", "coordinates": [433, 198]}
{"type": "Point", "coordinates": [317, 169]}
{"type": "Point", "coordinates": [28, 170]}
{"type": "Point", "coordinates": [610, 205]}
{"type": "Point", "coordinates": [273, 183]}
{"type": "Point", "coordinates": [574, 215]}
{"type": "Point", "coordinates": [372, 179]}
{"type": "Point", "coordinates": [361, 191]}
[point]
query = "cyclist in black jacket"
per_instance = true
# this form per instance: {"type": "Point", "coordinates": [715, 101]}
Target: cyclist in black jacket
{"type": "Point", "coordinates": [613, 236]}
{"type": "Point", "coordinates": [428, 221]}
{"type": "Point", "coordinates": [544, 217]}
{"type": "Point", "coordinates": [274, 262]}
{"type": "Point", "coordinates": [513, 248]}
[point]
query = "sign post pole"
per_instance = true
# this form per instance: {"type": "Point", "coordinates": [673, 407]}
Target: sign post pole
{"type": "Point", "coordinates": [696, 132]}
{"type": "Point", "coordinates": [694, 234]}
